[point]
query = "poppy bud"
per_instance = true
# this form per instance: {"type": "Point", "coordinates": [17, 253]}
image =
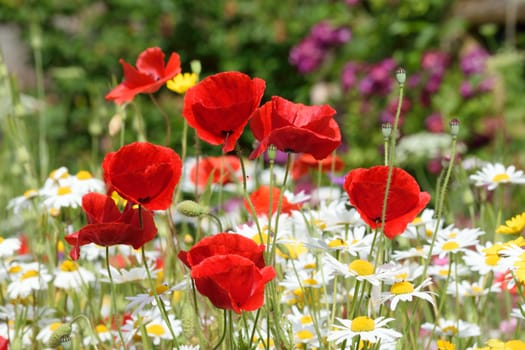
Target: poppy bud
{"type": "Point", "coordinates": [401, 76]}
{"type": "Point", "coordinates": [61, 335]}
{"type": "Point", "coordinates": [191, 209]}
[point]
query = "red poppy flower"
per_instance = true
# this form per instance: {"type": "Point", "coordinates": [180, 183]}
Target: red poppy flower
{"type": "Point", "coordinates": [107, 226]}
{"type": "Point", "coordinates": [147, 78]}
{"type": "Point", "coordinates": [4, 343]}
{"type": "Point", "coordinates": [143, 173]}
{"type": "Point", "coordinates": [294, 127]}
{"type": "Point", "coordinates": [216, 170]}
{"type": "Point", "coordinates": [229, 269]}
{"type": "Point", "coordinates": [261, 201]}
{"type": "Point", "coordinates": [306, 162]}
{"type": "Point", "coordinates": [366, 189]}
{"type": "Point", "coordinates": [219, 107]}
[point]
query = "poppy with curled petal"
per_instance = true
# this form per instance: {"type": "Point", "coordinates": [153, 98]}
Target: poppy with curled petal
{"type": "Point", "coordinates": [151, 73]}
{"type": "Point", "coordinates": [261, 201]}
{"type": "Point", "coordinates": [107, 226]}
{"type": "Point", "coordinates": [294, 127]}
{"type": "Point", "coordinates": [366, 190]}
{"type": "Point", "coordinates": [229, 269]}
{"type": "Point", "coordinates": [143, 173]}
{"type": "Point", "coordinates": [219, 107]}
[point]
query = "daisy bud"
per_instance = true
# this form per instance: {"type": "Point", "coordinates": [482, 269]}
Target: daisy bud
{"type": "Point", "coordinates": [61, 335]}
{"type": "Point", "coordinates": [454, 127]}
{"type": "Point", "coordinates": [192, 209]}
{"type": "Point", "coordinates": [401, 76]}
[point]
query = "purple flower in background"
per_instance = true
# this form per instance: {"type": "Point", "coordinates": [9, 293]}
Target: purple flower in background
{"type": "Point", "coordinates": [487, 85]}
{"type": "Point", "coordinates": [307, 56]}
{"type": "Point", "coordinates": [466, 89]}
{"type": "Point", "coordinates": [349, 75]}
{"type": "Point", "coordinates": [435, 61]}
{"type": "Point", "coordinates": [433, 83]}
{"type": "Point", "coordinates": [434, 122]}
{"type": "Point", "coordinates": [379, 80]}
{"type": "Point", "coordinates": [352, 2]}
{"type": "Point", "coordinates": [310, 53]}
{"type": "Point", "coordinates": [473, 62]}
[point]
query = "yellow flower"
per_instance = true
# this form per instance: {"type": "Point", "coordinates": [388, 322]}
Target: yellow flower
{"type": "Point", "coordinates": [182, 82]}
{"type": "Point", "coordinates": [445, 345]}
{"type": "Point", "coordinates": [514, 225]}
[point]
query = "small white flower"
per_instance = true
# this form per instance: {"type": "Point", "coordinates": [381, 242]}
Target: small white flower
{"type": "Point", "coordinates": [23, 202]}
{"type": "Point", "coordinates": [8, 246]}
{"type": "Point", "coordinates": [368, 329]}
{"type": "Point", "coordinates": [491, 175]}
{"type": "Point", "coordinates": [72, 276]}
{"type": "Point", "coordinates": [30, 278]}
{"type": "Point", "coordinates": [157, 329]}
{"type": "Point", "coordinates": [405, 291]}
{"type": "Point", "coordinates": [472, 289]}
{"type": "Point", "coordinates": [361, 270]}
{"type": "Point", "coordinates": [453, 328]}
{"type": "Point", "coordinates": [140, 301]}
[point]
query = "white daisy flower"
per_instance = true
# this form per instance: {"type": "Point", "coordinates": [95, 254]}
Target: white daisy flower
{"type": "Point", "coordinates": [368, 329]}
{"type": "Point", "coordinates": [62, 197]}
{"type": "Point", "coordinates": [472, 289]}
{"type": "Point", "coordinates": [412, 252]}
{"type": "Point", "coordinates": [23, 202]}
{"type": "Point", "coordinates": [491, 175]}
{"type": "Point", "coordinates": [72, 276]}
{"type": "Point", "coordinates": [84, 182]}
{"type": "Point", "coordinates": [325, 194]}
{"type": "Point", "coordinates": [485, 258]}
{"type": "Point", "coordinates": [423, 226]}
{"type": "Point", "coordinates": [8, 246]}
{"type": "Point", "coordinates": [304, 326]}
{"type": "Point", "coordinates": [453, 240]}
{"type": "Point", "coordinates": [140, 301]}
{"type": "Point", "coordinates": [338, 214]}
{"type": "Point", "coordinates": [103, 333]}
{"type": "Point", "coordinates": [405, 291]}
{"type": "Point", "coordinates": [29, 279]}
{"type": "Point", "coordinates": [134, 274]}
{"type": "Point", "coordinates": [361, 270]}
{"type": "Point", "coordinates": [158, 330]}
{"type": "Point", "coordinates": [451, 328]}
{"type": "Point", "coordinates": [441, 272]}
{"type": "Point", "coordinates": [518, 312]}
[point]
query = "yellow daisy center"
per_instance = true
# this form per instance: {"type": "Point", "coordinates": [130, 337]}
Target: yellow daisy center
{"type": "Point", "coordinates": [450, 245]}
{"type": "Point", "coordinates": [1, 239]}
{"type": "Point", "coordinates": [68, 266]}
{"type": "Point", "coordinates": [15, 269]}
{"type": "Point", "coordinates": [30, 193]}
{"type": "Point", "coordinates": [63, 190]}
{"type": "Point", "coordinates": [492, 260]}
{"type": "Point", "coordinates": [84, 175]}
{"type": "Point", "coordinates": [477, 290]}
{"type": "Point", "coordinates": [291, 250]}
{"type": "Point", "coordinates": [361, 267]}
{"type": "Point", "coordinates": [310, 282]}
{"type": "Point", "coordinates": [320, 224]}
{"type": "Point", "coordinates": [445, 345]}
{"type": "Point", "coordinates": [54, 326]}
{"type": "Point", "coordinates": [101, 328]}
{"type": "Point", "coordinates": [362, 324]}
{"type": "Point", "coordinates": [261, 238]}
{"type": "Point", "coordinates": [417, 220]}
{"type": "Point", "coordinates": [306, 319]}
{"type": "Point", "coordinates": [310, 266]}
{"type": "Point", "coordinates": [402, 287]}
{"type": "Point", "coordinates": [450, 330]}
{"type": "Point", "coordinates": [429, 232]}
{"type": "Point", "coordinates": [304, 334]}
{"type": "Point", "coordinates": [160, 289]}
{"type": "Point", "coordinates": [52, 175]}
{"type": "Point", "coordinates": [501, 178]}
{"type": "Point", "coordinates": [336, 243]}
{"type": "Point", "coordinates": [29, 274]}
{"type": "Point", "coordinates": [155, 329]}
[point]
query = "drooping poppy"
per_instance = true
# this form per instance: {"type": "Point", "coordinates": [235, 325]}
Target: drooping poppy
{"type": "Point", "coordinates": [294, 127]}
{"type": "Point", "coordinates": [306, 162]}
{"type": "Point", "coordinates": [219, 106]}
{"type": "Point", "coordinates": [261, 201]}
{"type": "Point", "coordinates": [151, 73]}
{"type": "Point", "coordinates": [232, 282]}
{"type": "Point", "coordinates": [366, 190]}
{"type": "Point", "coordinates": [215, 170]}
{"type": "Point", "coordinates": [229, 269]}
{"type": "Point", "coordinates": [107, 226]}
{"type": "Point", "coordinates": [143, 173]}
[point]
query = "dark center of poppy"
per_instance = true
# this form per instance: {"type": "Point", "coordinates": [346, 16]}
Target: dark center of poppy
{"type": "Point", "coordinates": [144, 200]}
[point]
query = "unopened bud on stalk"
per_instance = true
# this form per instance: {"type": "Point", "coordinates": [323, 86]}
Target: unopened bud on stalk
{"type": "Point", "coordinates": [272, 152]}
{"type": "Point", "coordinates": [192, 209]}
{"type": "Point", "coordinates": [61, 335]}
{"type": "Point", "coordinates": [401, 76]}
{"type": "Point", "coordinates": [386, 129]}
{"type": "Point", "coordinates": [454, 127]}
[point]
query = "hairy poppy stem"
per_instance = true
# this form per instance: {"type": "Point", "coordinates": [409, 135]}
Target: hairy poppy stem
{"type": "Point", "coordinates": [113, 297]}
{"type": "Point", "coordinates": [166, 119]}
{"type": "Point", "coordinates": [224, 326]}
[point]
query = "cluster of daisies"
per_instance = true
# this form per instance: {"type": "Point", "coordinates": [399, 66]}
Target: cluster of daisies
{"type": "Point", "coordinates": [435, 286]}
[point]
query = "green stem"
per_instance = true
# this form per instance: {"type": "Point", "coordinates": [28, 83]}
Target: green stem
{"type": "Point", "coordinates": [113, 297]}
{"type": "Point", "coordinates": [166, 120]}
{"type": "Point", "coordinates": [224, 326]}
